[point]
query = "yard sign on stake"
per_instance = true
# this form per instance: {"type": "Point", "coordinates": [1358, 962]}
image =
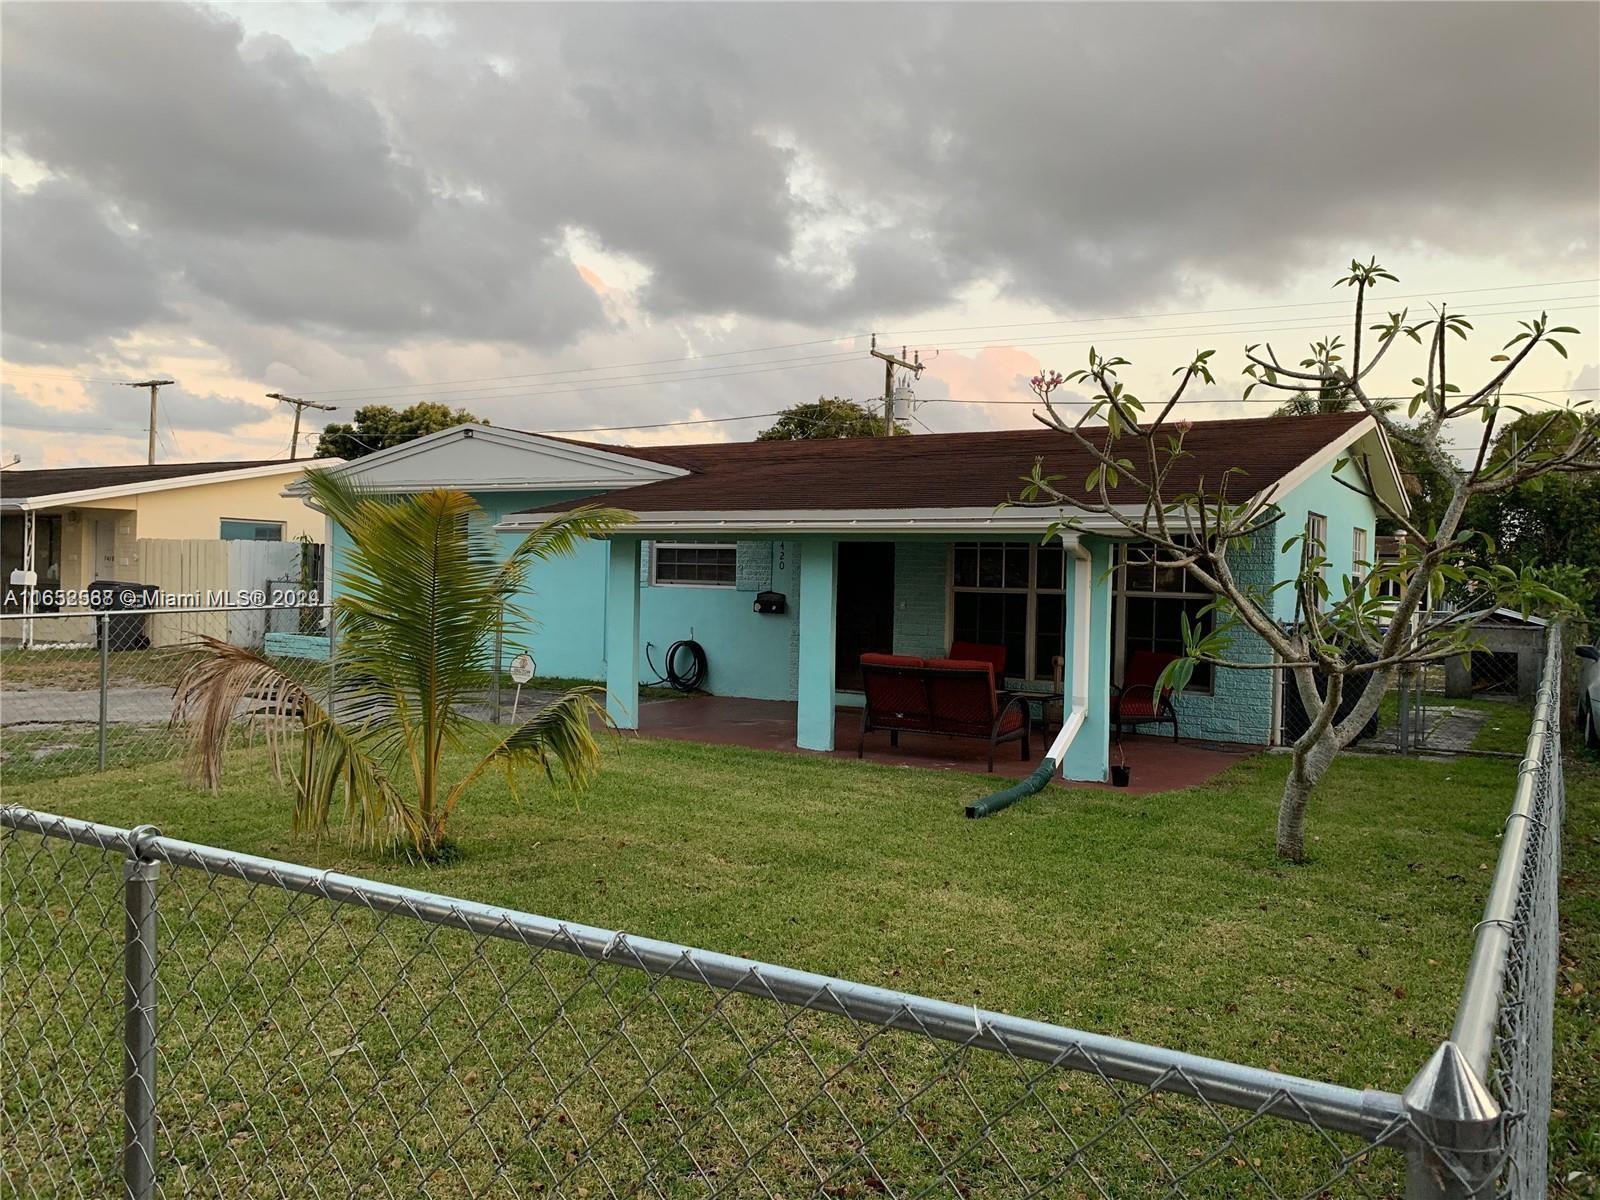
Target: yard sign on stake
{"type": "Point", "coordinates": [521, 672]}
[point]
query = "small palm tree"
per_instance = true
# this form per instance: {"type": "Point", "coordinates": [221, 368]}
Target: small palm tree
{"type": "Point", "coordinates": [423, 589]}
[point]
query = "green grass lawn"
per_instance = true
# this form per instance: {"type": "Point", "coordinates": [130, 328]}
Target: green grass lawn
{"type": "Point", "coordinates": [1161, 918]}
{"type": "Point", "coordinates": [1575, 1119]}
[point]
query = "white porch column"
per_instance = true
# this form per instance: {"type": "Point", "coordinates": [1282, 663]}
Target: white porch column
{"type": "Point", "coordinates": [622, 633]}
{"type": "Point", "coordinates": [1088, 638]}
{"type": "Point", "coordinates": [818, 633]}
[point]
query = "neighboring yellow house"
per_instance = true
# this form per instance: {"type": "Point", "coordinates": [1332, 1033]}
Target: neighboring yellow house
{"type": "Point", "coordinates": [63, 530]}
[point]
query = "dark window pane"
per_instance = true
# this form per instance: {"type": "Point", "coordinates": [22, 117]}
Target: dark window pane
{"type": "Point", "coordinates": [1050, 614]}
{"type": "Point", "coordinates": [1136, 574]}
{"type": "Point", "coordinates": [966, 565]}
{"type": "Point", "coordinates": [1140, 616]}
{"type": "Point", "coordinates": [991, 566]}
{"type": "Point", "coordinates": [1050, 565]}
{"type": "Point", "coordinates": [966, 616]}
{"type": "Point", "coordinates": [1017, 566]}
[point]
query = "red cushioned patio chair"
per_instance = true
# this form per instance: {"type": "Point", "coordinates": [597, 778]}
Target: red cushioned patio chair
{"type": "Point", "coordinates": [1135, 703]}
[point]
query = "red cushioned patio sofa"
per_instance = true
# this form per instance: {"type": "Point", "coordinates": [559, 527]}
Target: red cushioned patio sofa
{"type": "Point", "coordinates": [952, 697]}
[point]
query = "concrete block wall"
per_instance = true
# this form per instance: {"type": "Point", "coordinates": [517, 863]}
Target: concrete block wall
{"type": "Point", "coordinates": [921, 571]}
{"type": "Point", "coordinates": [1239, 708]}
{"type": "Point", "coordinates": [754, 566]}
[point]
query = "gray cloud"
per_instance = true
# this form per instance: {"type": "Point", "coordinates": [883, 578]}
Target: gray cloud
{"type": "Point", "coordinates": [420, 182]}
{"type": "Point", "coordinates": [170, 110]}
{"type": "Point", "coordinates": [73, 274]}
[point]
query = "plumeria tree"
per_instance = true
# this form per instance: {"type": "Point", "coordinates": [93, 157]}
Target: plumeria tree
{"type": "Point", "coordinates": [1376, 626]}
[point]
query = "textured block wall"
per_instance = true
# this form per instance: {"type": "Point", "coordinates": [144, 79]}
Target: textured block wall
{"type": "Point", "coordinates": [920, 584]}
{"type": "Point", "coordinates": [1239, 708]}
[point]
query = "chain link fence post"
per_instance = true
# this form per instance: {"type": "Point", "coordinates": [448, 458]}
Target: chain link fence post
{"type": "Point", "coordinates": [494, 680]}
{"type": "Point", "coordinates": [333, 656]}
{"type": "Point", "coordinates": [139, 1023]}
{"type": "Point", "coordinates": [103, 624]}
{"type": "Point", "coordinates": [1460, 1128]}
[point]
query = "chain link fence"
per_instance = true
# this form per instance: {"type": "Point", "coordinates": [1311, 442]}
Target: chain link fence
{"type": "Point", "coordinates": [87, 691]}
{"type": "Point", "coordinates": [1480, 703]}
{"type": "Point", "coordinates": [183, 1020]}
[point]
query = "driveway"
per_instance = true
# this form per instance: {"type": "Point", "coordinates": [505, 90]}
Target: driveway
{"type": "Point", "coordinates": [62, 706]}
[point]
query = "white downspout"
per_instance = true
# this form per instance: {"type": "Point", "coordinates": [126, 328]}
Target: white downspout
{"type": "Point", "coordinates": [1078, 689]}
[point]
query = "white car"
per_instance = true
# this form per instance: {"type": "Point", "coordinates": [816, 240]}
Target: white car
{"type": "Point", "coordinates": [1589, 696]}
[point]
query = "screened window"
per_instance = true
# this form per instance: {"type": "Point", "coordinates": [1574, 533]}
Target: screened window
{"type": "Point", "coordinates": [251, 531]}
{"type": "Point", "coordinates": [1152, 601]}
{"type": "Point", "coordinates": [694, 564]}
{"type": "Point", "coordinates": [1011, 594]}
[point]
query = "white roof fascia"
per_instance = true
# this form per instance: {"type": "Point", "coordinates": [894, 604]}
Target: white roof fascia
{"type": "Point", "coordinates": [90, 495]}
{"type": "Point", "coordinates": [635, 470]}
{"type": "Point", "coordinates": [781, 522]}
{"type": "Point", "coordinates": [1367, 427]}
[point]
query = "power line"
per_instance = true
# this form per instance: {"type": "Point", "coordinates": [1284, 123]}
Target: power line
{"type": "Point", "coordinates": [394, 390]}
{"type": "Point", "coordinates": [1197, 312]}
{"type": "Point", "coordinates": [1221, 403]}
{"type": "Point", "coordinates": [391, 389]}
{"type": "Point", "coordinates": [1230, 327]}
{"type": "Point", "coordinates": [1276, 400]}
{"type": "Point", "coordinates": [569, 387]}
{"type": "Point", "coordinates": [686, 374]}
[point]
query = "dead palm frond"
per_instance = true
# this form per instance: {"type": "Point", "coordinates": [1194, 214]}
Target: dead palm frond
{"type": "Point", "coordinates": [423, 589]}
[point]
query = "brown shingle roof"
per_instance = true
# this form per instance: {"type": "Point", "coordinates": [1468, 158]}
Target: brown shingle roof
{"type": "Point", "coordinates": [25, 485]}
{"type": "Point", "coordinates": [948, 470]}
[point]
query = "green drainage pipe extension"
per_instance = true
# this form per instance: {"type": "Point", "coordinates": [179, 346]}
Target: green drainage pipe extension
{"type": "Point", "coordinates": [1036, 782]}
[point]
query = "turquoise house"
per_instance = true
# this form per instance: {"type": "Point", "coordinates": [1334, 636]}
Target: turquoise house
{"type": "Point", "coordinates": [786, 561]}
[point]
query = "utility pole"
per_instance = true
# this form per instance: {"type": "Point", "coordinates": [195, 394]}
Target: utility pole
{"type": "Point", "coordinates": [155, 385]}
{"type": "Point", "coordinates": [890, 362]}
{"type": "Point", "coordinates": [299, 406]}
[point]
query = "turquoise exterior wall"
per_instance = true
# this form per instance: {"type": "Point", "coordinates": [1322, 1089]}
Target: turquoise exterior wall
{"type": "Point", "coordinates": [1345, 509]}
{"type": "Point", "coordinates": [749, 654]}
{"type": "Point", "coordinates": [1239, 708]}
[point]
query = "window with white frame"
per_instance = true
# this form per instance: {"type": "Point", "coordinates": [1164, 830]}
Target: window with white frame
{"type": "Point", "coordinates": [1360, 564]}
{"type": "Point", "coordinates": [1151, 603]}
{"type": "Point", "coordinates": [1317, 542]}
{"type": "Point", "coordinates": [694, 564]}
{"type": "Point", "coordinates": [1011, 594]}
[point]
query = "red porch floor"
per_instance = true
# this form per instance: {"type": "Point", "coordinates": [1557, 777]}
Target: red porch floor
{"type": "Point", "coordinates": [1159, 764]}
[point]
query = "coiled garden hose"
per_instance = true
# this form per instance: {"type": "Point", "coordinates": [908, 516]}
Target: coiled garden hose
{"type": "Point", "coordinates": [683, 680]}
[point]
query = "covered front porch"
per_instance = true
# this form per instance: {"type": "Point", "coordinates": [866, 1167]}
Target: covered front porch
{"type": "Point", "coordinates": [911, 590]}
{"type": "Point", "coordinates": [1159, 763]}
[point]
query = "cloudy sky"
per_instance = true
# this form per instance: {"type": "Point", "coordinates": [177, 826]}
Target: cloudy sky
{"type": "Point", "coordinates": [583, 217]}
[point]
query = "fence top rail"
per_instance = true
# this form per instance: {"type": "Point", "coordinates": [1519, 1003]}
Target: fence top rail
{"type": "Point", "coordinates": [1479, 1009]}
{"type": "Point", "coordinates": [162, 610]}
{"type": "Point", "coordinates": [1377, 1115]}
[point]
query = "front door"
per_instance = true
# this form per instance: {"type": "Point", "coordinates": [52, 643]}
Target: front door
{"type": "Point", "coordinates": [865, 608]}
{"type": "Point", "coordinates": [105, 548]}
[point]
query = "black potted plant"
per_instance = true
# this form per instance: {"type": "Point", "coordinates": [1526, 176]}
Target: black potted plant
{"type": "Point", "coordinates": [1121, 773]}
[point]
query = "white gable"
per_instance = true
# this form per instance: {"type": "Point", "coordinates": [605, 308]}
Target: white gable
{"type": "Point", "coordinates": [480, 458]}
